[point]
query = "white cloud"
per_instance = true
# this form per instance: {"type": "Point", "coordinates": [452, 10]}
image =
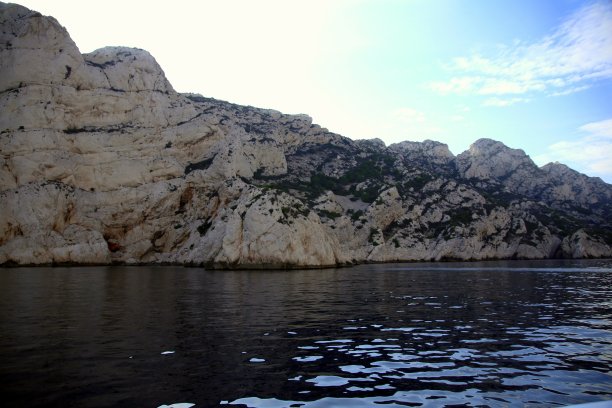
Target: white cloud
{"type": "Point", "coordinates": [502, 102]}
{"type": "Point", "coordinates": [569, 91]}
{"type": "Point", "coordinates": [599, 129]}
{"type": "Point", "coordinates": [505, 86]}
{"type": "Point", "coordinates": [589, 154]}
{"type": "Point", "coordinates": [482, 85]}
{"type": "Point", "coordinates": [457, 85]}
{"type": "Point", "coordinates": [576, 55]}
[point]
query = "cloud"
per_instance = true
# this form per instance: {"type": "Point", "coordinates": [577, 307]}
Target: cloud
{"type": "Point", "coordinates": [570, 91]}
{"type": "Point", "coordinates": [457, 85]}
{"type": "Point", "coordinates": [589, 154]}
{"type": "Point", "coordinates": [501, 102]}
{"type": "Point", "coordinates": [601, 129]}
{"type": "Point", "coordinates": [575, 56]}
{"type": "Point", "coordinates": [481, 85]}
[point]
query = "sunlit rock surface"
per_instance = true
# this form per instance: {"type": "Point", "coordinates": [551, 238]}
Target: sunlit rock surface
{"type": "Point", "coordinates": [102, 161]}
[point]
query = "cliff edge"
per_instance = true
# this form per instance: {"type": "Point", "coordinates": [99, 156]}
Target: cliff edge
{"type": "Point", "coordinates": [102, 161]}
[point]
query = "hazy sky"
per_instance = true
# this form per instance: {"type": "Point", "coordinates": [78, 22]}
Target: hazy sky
{"type": "Point", "coordinates": [536, 75]}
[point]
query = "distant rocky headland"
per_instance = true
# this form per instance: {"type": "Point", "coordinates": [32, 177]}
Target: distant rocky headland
{"type": "Point", "coordinates": [103, 162]}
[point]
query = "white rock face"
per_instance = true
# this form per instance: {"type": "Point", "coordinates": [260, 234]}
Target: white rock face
{"type": "Point", "coordinates": [488, 159]}
{"type": "Point", "coordinates": [581, 245]}
{"type": "Point", "coordinates": [37, 227]}
{"type": "Point", "coordinates": [130, 162]}
{"type": "Point", "coordinates": [102, 161]}
{"type": "Point", "coordinates": [260, 229]}
{"type": "Point", "coordinates": [434, 152]}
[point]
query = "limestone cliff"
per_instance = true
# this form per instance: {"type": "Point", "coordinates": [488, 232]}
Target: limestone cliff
{"type": "Point", "coordinates": [102, 161]}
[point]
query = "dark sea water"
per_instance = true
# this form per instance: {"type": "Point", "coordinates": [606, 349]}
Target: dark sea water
{"type": "Point", "coordinates": [453, 334]}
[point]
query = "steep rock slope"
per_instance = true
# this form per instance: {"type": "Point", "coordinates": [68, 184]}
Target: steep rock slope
{"type": "Point", "coordinates": [102, 161]}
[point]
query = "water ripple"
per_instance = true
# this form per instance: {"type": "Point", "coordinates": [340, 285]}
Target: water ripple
{"type": "Point", "coordinates": [489, 334]}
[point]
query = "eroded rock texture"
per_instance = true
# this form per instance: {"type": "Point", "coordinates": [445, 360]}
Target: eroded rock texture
{"type": "Point", "coordinates": [102, 161]}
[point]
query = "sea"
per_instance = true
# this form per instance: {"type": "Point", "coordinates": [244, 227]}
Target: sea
{"type": "Point", "coordinates": [485, 334]}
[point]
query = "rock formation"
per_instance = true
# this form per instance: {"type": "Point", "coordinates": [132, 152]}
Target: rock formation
{"type": "Point", "coordinates": [103, 162]}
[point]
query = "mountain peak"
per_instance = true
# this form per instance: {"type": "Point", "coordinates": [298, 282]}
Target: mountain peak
{"type": "Point", "coordinates": [29, 42]}
{"type": "Point", "coordinates": [129, 69]}
{"type": "Point", "coordinates": [487, 158]}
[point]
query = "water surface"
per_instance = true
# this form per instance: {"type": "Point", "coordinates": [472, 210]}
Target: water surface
{"type": "Point", "coordinates": [468, 334]}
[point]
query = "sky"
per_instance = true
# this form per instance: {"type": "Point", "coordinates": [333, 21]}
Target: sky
{"type": "Point", "coordinates": [535, 75]}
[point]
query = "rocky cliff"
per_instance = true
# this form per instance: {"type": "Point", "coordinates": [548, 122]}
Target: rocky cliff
{"type": "Point", "coordinates": [103, 162]}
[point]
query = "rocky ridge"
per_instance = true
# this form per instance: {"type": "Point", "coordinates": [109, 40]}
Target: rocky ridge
{"type": "Point", "coordinates": [103, 162]}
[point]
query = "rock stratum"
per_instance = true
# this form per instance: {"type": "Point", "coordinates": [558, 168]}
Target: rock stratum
{"type": "Point", "coordinates": [103, 162]}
